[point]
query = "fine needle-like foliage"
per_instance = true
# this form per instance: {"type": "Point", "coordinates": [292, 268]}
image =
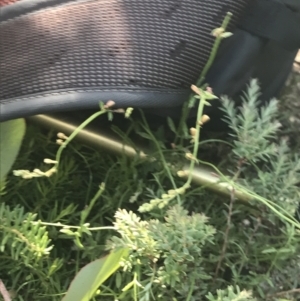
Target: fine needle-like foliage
{"type": "Point", "coordinates": [21, 239]}
{"type": "Point", "coordinates": [230, 295]}
{"type": "Point", "coordinates": [164, 254]}
{"type": "Point", "coordinates": [184, 243]}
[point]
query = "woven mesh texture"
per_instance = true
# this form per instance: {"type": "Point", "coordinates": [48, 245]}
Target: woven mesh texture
{"type": "Point", "coordinates": [158, 44]}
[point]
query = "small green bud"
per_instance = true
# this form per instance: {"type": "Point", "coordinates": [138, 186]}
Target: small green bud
{"type": "Point", "coordinates": [128, 112]}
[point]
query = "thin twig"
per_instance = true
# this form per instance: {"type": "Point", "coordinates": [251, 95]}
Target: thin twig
{"type": "Point", "coordinates": [293, 291]}
{"type": "Point", "coordinates": [226, 234]}
{"type": "Point", "coordinates": [258, 224]}
{"type": "Point", "coordinates": [230, 210]}
{"type": "Point", "coordinates": [4, 292]}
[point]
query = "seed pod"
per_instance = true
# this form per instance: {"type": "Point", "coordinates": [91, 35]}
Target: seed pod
{"type": "Point", "coordinates": [193, 131]}
{"type": "Point", "coordinates": [195, 89]}
{"type": "Point", "coordinates": [181, 173]}
{"type": "Point", "coordinates": [109, 104]}
{"type": "Point", "coordinates": [62, 136]}
{"type": "Point", "coordinates": [204, 119]}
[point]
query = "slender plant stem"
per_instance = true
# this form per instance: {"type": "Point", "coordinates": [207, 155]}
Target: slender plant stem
{"type": "Point", "coordinates": [87, 210]}
{"type": "Point", "coordinates": [293, 291]}
{"type": "Point", "coordinates": [191, 290]}
{"type": "Point", "coordinates": [160, 152]}
{"type": "Point", "coordinates": [226, 235]}
{"type": "Point", "coordinates": [214, 51]}
{"type": "Point", "coordinates": [197, 137]}
{"type": "Point", "coordinates": [258, 224]}
{"type": "Point", "coordinates": [277, 209]}
{"type": "Point", "coordinates": [203, 74]}
{"type": "Point", "coordinates": [135, 288]}
{"type": "Point", "coordinates": [73, 227]}
{"type": "Point", "coordinates": [74, 134]}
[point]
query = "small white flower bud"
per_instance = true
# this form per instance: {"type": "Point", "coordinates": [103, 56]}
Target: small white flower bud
{"type": "Point", "coordinates": [209, 90]}
{"type": "Point", "coordinates": [50, 161]}
{"type": "Point", "coordinates": [62, 136]}
{"type": "Point", "coordinates": [128, 112]}
{"type": "Point", "coordinates": [217, 32]}
{"type": "Point", "coordinates": [195, 89]}
{"type": "Point", "coordinates": [119, 111]}
{"type": "Point", "coordinates": [20, 172]}
{"type": "Point", "coordinates": [246, 222]}
{"type": "Point", "coordinates": [109, 104]}
{"type": "Point", "coordinates": [181, 173]}
{"type": "Point", "coordinates": [193, 131]}
{"type": "Point", "coordinates": [50, 172]}
{"type": "Point", "coordinates": [27, 177]}
{"type": "Point", "coordinates": [204, 119]}
{"type": "Point", "coordinates": [38, 172]}
{"type": "Point", "coordinates": [190, 156]}
{"type": "Point", "coordinates": [172, 192]}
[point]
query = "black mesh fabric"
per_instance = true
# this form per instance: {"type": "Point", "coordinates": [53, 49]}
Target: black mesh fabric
{"type": "Point", "coordinates": [103, 45]}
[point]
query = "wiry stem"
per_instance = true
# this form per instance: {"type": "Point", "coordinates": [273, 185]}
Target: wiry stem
{"type": "Point", "coordinates": [226, 234]}
{"type": "Point", "coordinates": [203, 74]}
{"type": "Point", "coordinates": [74, 134]}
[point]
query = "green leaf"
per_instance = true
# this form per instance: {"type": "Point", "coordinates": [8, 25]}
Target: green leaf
{"type": "Point", "coordinates": [267, 251]}
{"type": "Point", "coordinates": [144, 135]}
{"type": "Point", "coordinates": [90, 277]}
{"type": "Point", "coordinates": [110, 115]}
{"type": "Point", "coordinates": [171, 124]}
{"type": "Point", "coordinates": [227, 34]}
{"type": "Point", "coordinates": [11, 136]}
{"type": "Point", "coordinates": [210, 96]}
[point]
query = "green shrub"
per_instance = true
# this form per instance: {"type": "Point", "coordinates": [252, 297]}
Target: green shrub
{"type": "Point", "coordinates": [183, 241]}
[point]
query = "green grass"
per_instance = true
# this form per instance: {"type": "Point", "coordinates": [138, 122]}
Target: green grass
{"type": "Point", "coordinates": [252, 247]}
